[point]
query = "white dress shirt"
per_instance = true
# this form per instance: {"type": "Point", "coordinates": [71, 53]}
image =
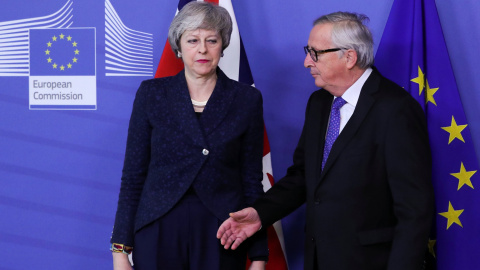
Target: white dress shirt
{"type": "Point", "coordinates": [351, 97]}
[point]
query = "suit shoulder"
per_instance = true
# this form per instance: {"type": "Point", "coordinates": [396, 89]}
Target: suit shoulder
{"type": "Point", "coordinates": [156, 86]}
{"type": "Point", "coordinates": [245, 90]}
{"type": "Point", "coordinates": [243, 86]}
{"type": "Point", "coordinates": [391, 97]}
{"type": "Point", "coordinates": [156, 82]}
{"type": "Point", "coordinates": [391, 90]}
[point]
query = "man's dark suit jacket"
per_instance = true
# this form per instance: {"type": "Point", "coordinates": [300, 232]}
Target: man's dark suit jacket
{"type": "Point", "coordinates": [372, 205]}
{"type": "Point", "coordinates": [170, 150]}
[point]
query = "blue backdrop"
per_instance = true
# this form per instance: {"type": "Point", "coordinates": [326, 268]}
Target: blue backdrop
{"type": "Point", "coordinates": [60, 169]}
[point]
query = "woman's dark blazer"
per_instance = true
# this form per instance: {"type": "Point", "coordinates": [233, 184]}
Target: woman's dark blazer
{"type": "Point", "coordinates": [170, 150]}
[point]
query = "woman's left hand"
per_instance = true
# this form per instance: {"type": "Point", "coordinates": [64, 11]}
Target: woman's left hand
{"type": "Point", "coordinates": [257, 265]}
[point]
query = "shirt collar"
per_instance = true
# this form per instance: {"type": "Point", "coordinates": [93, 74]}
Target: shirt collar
{"type": "Point", "coordinates": [353, 92]}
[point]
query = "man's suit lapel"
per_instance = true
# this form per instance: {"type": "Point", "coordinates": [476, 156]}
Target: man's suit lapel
{"type": "Point", "coordinates": [218, 104]}
{"type": "Point", "coordinates": [365, 102]}
{"type": "Point", "coordinates": [321, 128]}
{"type": "Point", "coordinates": [180, 106]}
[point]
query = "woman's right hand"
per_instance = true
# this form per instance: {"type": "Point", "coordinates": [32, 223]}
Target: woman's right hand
{"type": "Point", "coordinates": [121, 262]}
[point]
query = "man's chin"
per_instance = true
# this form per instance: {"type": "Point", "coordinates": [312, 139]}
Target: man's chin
{"type": "Point", "coordinates": [319, 84]}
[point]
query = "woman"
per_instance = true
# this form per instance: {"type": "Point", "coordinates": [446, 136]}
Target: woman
{"type": "Point", "coordinates": [194, 154]}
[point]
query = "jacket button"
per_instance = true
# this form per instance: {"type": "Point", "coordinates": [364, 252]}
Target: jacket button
{"type": "Point", "coordinates": [205, 152]}
{"type": "Point", "coordinates": [313, 240]}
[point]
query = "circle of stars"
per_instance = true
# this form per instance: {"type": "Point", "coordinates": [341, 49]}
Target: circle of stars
{"type": "Point", "coordinates": [62, 38]}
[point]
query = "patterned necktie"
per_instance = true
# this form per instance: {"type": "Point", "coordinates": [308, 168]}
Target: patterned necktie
{"type": "Point", "coordinates": [333, 128]}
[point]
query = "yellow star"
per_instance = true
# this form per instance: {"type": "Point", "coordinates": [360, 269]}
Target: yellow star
{"type": "Point", "coordinates": [452, 216]}
{"type": "Point", "coordinates": [62, 67]}
{"type": "Point", "coordinates": [77, 51]}
{"type": "Point", "coordinates": [455, 131]}
{"type": "Point", "coordinates": [464, 177]}
{"type": "Point", "coordinates": [49, 44]}
{"type": "Point", "coordinates": [49, 60]}
{"type": "Point", "coordinates": [69, 38]}
{"type": "Point", "coordinates": [429, 94]}
{"type": "Point", "coordinates": [47, 52]}
{"type": "Point", "coordinates": [54, 38]}
{"type": "Point", "coordinates": [74, 59]}
{"type": "Point", "coordinates": [420, 80]}
{"type": "Point", "coordinates": [74, 44]}
{"type": "Point", "coordinates": [54, 65]}
{"type": "Point", "coordinates": [62, 36]}
{"type": "Point", "coordinates": [69, 65]}
{"type": "Point", "coordinates": [431, 245]}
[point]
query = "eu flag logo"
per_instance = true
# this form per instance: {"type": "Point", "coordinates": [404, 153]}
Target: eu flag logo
{"type": "Point", "coordinates": [62, 69]}
{"type": "Point", "coordinates": [62, 52]}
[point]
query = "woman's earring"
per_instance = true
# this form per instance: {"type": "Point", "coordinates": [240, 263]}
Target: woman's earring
{"type": "Point", "coordinates": [221, 55]}
{"type": "Point", "coordinates": [179, 54]}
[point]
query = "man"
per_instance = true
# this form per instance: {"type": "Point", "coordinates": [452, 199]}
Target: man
{"type": "Point", "coordinates": [368, 191]}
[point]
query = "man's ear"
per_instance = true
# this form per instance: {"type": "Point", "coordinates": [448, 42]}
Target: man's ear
{"type": "Point", "coordinates": [351, 58]}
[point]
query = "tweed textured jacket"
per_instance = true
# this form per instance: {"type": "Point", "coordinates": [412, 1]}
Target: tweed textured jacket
{"type": "Point", "coordinates": [169, 149]}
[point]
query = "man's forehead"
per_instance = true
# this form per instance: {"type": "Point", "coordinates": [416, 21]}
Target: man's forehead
{"type": "Point", "coordinates": [320, 35]}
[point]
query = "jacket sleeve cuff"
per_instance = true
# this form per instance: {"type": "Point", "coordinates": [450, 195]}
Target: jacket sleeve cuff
{"type": "Point", "coordinates": [258, 246]}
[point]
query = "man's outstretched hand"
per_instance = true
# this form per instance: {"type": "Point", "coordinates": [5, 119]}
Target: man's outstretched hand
{"type": "Point", "coordinates": [238, 227]}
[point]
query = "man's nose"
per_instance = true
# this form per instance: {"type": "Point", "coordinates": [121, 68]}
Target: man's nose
{"type": "Point", "coordinates": [308, 62]}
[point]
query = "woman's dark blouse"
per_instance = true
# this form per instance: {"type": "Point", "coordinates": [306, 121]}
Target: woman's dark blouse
{"type": "Point", "coordinates": [170, 149]}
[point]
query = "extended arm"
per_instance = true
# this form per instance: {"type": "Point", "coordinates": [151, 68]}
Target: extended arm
{"type": "Point", "coordinates": [236, 229]}
{"type": "Point", "coordinates": [284, 197]}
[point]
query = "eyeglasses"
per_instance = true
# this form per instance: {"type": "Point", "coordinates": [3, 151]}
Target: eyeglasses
{"type": "Point", "coordinates": [314, 54]}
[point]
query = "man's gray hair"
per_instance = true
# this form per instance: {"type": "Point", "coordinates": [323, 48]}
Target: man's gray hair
{"type": "Point", "coordinates": [350, 32]}
{"type": "Point", "coordinates": [200, 15]}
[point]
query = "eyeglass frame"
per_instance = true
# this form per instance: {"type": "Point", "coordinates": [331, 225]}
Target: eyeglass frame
{"type": "Point", "coordinates": [317, 53]}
